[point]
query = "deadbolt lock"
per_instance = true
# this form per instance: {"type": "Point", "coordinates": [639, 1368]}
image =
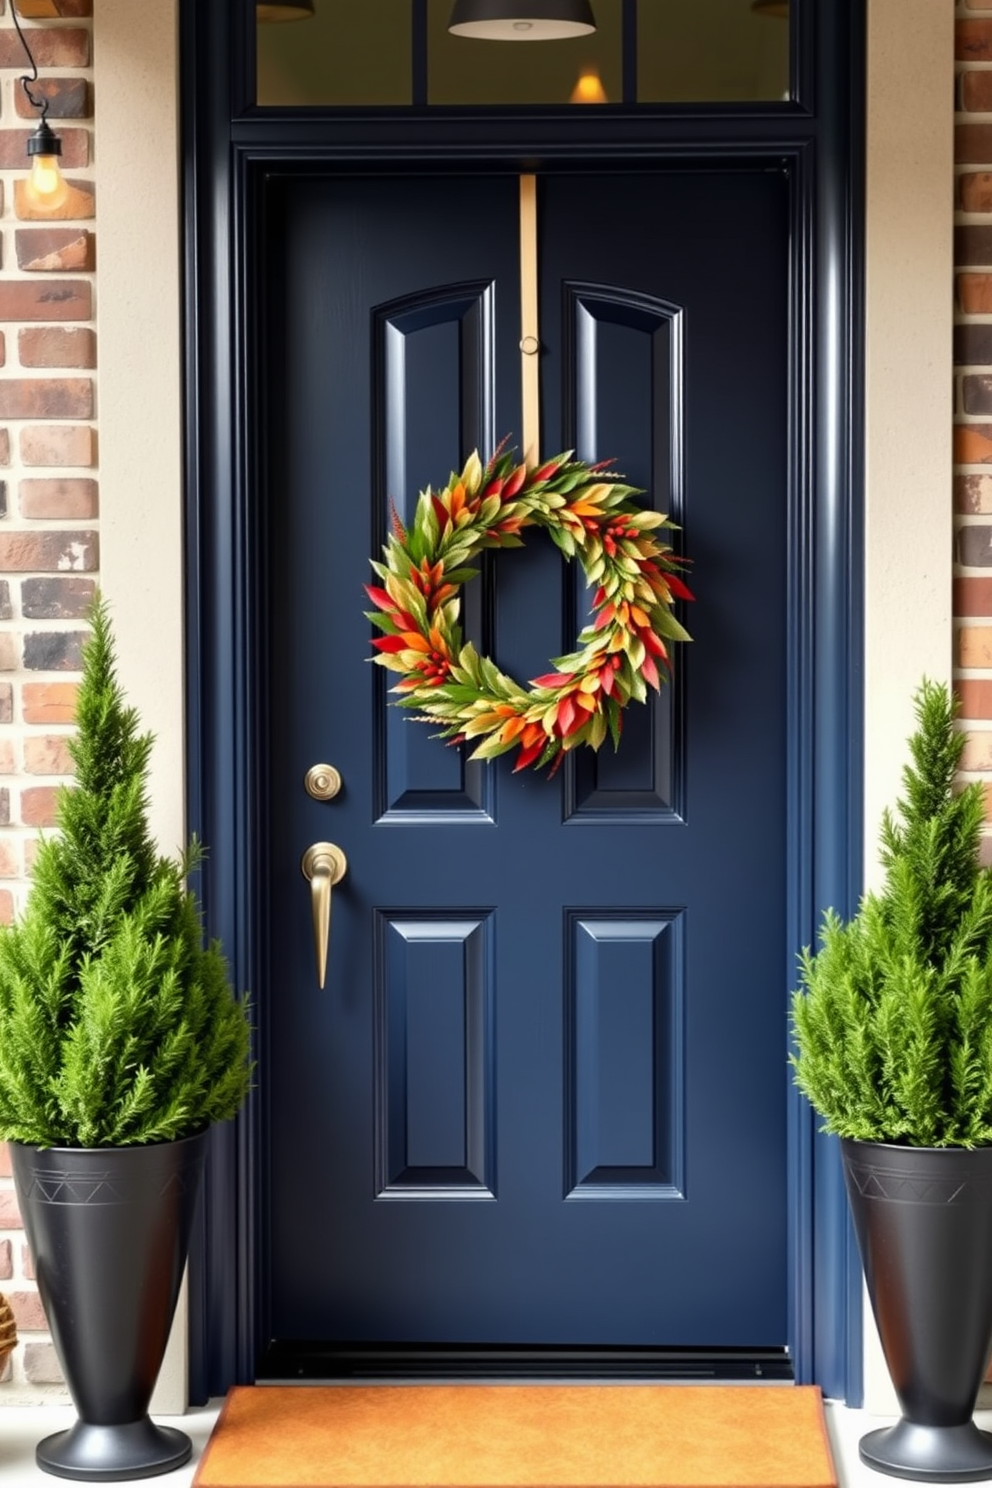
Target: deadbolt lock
{"type": "Point", "coordinates": [322, 782]}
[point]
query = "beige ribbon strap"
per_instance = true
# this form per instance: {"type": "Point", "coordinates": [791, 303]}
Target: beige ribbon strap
{"type": "Point", "coordinates": [530, 338]}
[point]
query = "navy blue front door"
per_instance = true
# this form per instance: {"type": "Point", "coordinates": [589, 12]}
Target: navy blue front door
{"type": "Point", "coordinates": [542, 1098]}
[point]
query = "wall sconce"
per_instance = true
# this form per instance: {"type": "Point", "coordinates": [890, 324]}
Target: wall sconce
{"type": "Point", "coordinates": [46, 186]}
{"type": "Point", "coordinates": [521, 20]}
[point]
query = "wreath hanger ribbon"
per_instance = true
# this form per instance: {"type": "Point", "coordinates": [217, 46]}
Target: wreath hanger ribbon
{"type": "Point", "coordinates": [530, 327]}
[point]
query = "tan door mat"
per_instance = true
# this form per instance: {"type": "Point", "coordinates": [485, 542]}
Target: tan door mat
{"type": "Point", "coordinates": [519, 1436]}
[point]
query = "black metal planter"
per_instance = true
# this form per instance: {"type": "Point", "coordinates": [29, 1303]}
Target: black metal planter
{"type": "Point", "coordinates": [109, 1230]}
{"type": "Point", "coordinates": [923, 1217]}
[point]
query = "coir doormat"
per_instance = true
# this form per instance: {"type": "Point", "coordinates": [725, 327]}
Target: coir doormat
{"type": "Point", "coordinates": [519, 1436]}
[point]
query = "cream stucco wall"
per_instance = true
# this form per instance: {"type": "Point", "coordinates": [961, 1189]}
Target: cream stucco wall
{"type": "Point", "coordinates": [909, 285]}
{"type": "Point", "coordinates": [141, 435]}
{"type": "Point", "coordinates": [908, 562]}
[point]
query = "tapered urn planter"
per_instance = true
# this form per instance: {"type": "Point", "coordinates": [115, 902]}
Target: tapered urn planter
{"type": "Point", "coordinates": [923, 1218]}
{"type": "Point", "coordinates": [893, 1047]}
{"type": "Point", "coordinates": [109, 1231]}
{"type": "Point", "coordinates": [121, 1044]}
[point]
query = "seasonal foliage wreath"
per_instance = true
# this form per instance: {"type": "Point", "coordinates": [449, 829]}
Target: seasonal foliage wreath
{"type": "Point", "coordinates": [589, 513]}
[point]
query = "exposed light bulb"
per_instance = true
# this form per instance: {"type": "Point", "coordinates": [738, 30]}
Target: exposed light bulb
{"type": "Point", "coordinates": [589, 88]}
{"type": "Point", "coordinates": [46, 186]}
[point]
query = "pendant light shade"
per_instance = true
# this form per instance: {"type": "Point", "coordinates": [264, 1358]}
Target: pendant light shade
{"type": "Point", "coordinates": [521, 20]}
{"type": "Point", "coordinates": [284, 10]}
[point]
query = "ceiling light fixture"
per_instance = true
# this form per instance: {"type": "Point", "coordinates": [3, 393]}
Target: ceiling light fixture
{"type": "Point", "coordinates": [284, 10]}
{"type": "Point", "coordinates": [521, 20]}
{"type": "Point", "coordinates": [46, 187]}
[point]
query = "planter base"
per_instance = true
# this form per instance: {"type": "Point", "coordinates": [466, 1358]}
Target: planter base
{"type": "Point", "coordinates": [930, 1454]}
{"type": "Point", "coordinates": [113, 1454]}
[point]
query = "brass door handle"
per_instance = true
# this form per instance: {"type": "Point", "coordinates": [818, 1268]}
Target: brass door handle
{"type": "Point", "coordinates": [324, 865]}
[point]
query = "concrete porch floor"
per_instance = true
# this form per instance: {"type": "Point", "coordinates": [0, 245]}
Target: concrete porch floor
{"type": "Point", "coordinates": [21, 1427]}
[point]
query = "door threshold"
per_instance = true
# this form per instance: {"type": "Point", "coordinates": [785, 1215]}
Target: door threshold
{"type": "Point", "coordinates": [288, 1361]}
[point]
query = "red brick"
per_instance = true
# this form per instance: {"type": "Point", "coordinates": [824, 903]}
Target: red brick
{"type": "Point", "coordinates": [11, 863]}
{"type": "Point", "coordinates": [10, 1214]}
{"type": "Point", "coordinates": [56, 346]}
{"type": "Point", "coordinates": [67, 500]}
{"type": "Point", "coordinates": [972, 444]}
{"type": "Point", "coordinates": [973, 144]}
{"type": "Point", "coordinates": [48, 552]}
{"type": "Point", "coordinates": [27, 1263]}
{"type": "Point", "coordinates": [976, 91]}
{"type": "Point", "coordinates": [46, 444]}
{"type": "Point", "coordinates": [976, 697]}
{"type": "Point", "coordinates": [46, 397]}
{"type": "Point", "coordinates": [46, 299]}
{"type": "Point", "coordinates": [67, 250]}
{"type": "Point", "coordinates": [3, 348]}
{"type": "Point", "coordinates": [6, 1167]}
{"type": "Point", "coordinates": [30, 854]}
{"type": "Point", "coordinates": [14, 145]}
{"type": "Point", "coordinates": [79, 204]}
{"type": "Point", "coordinates": [51, 46]}
{"type": "Point", "coordinates": [4, 446]}
{"type": "Point", "coordinates": [974, 188]}
{"type": "Point", "coordinates": [41, 10]}
{"type": "Point", "coordinates": [68, 98]}
{"type": "Point", "coordinates": [6, 703]}
{"type": "Point", "coordinates": [49, 702]}
{"type": "Point", "coordinates": [973, 41]}
{"type": "Point", "coordinates": [29, 1314]}
{"type": "Point", "coordinates": [972, 597]}
{"type": "Point", "coordinates": [6, 907]}
{"type": "Point", "coordinates": [41, 1364]}
{"type": "Point", "coordinates": [47, 754]}
{"type": "Point", "coordinates": [974, 293]}
{"type": "Point", "coordinates": [8, 763]}
{"type": "Point", "coordinates": [6, 1260]}
{"type": "Point", "coordinates": [38, 803]}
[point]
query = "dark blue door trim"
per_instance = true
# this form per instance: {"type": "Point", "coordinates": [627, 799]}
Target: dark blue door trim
{"type": "Point", "coordinates": [231, 150]}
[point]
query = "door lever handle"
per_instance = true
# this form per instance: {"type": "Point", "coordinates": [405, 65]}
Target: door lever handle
{"type": "Point", "coordinates": [324, 865]}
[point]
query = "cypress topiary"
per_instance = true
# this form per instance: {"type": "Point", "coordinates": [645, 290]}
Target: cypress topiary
{"type": "Point", "coordinates": [893, 1019]}
{"type": "Point", "coordinates": [117, 1025]}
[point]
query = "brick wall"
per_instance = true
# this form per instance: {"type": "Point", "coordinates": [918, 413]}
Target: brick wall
{"type": "Point", "coordinates": [48, 510]}
{"type": "Point", "coordinates": [973, 386]}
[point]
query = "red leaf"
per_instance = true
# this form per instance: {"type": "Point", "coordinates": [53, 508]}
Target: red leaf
{"type": "Point", "coordinates": [566, 715]}
{"type": "Point", "coordinates": [528, 755]}
{"type": "Point", "coordinates": [390, 643]}
{"type": "Point", "coordinates": [379, 597]}
{"type": "Point", "coordinates": [441, 512]}
{"type": "Point", "coordinates": [551, 679]}
{"type": "Point", "coordinates": [653, 643]}
{"type": "Point", "coordinates": [515, 482]}
{"type": "Point", "coordinates": [680, 590]}
{"type": "Point", "coordinates": [606, 614]}
{"type": "Point", "coordinates": [650, 673]}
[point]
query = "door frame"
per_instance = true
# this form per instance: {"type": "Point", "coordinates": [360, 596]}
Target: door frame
{"type": "Point", "coordinates": [230, 148]}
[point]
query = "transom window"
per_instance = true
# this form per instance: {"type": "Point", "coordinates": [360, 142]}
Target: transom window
{"type": "Point", "coordinates": [400, 53]}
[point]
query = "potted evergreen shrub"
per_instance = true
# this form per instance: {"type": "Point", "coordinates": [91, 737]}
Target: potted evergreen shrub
{"type": "Point", "coordinates": [120, 1044]}
{"type": "Point", "coordinates": [893, 1047]}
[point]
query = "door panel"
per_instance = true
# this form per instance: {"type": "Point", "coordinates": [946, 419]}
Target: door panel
{"type": "Point", "coordinates": [542, 1098]}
